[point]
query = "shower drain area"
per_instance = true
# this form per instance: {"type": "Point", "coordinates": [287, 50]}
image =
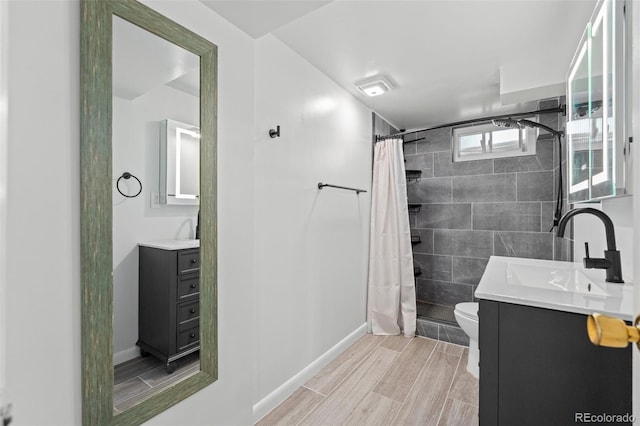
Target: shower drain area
{"type": "Point", "coordinates": [438, 322]}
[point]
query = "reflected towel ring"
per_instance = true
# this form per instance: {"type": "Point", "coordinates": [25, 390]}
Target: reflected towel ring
{"type": "Point", "coordinates": [128, 175]}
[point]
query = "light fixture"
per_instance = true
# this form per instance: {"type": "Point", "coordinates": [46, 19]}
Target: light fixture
{"type": "Point", "coordinates": [374, 85]}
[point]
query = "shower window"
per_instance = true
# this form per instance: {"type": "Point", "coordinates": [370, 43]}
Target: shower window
{"type": "Point", "coordinates": [482, 141]}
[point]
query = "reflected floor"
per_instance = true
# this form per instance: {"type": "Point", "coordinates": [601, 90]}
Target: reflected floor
{"type": "Point", "coordinates": [435, 312]}
{"type": "Point", "coordinates": [138, 379]}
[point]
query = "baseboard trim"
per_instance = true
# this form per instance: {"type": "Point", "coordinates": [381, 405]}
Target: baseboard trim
{"type": "Point", "coordinates": [284, 391]}
{"type": "Point", "coordinates": [126, 355]}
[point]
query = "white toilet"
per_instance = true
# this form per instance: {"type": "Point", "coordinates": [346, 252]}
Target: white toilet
{"type": "Point", "coordinates": [467, 316]}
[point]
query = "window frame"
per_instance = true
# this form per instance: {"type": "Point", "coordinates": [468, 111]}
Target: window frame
{"type": "Point", "coordinates": [528, 139]}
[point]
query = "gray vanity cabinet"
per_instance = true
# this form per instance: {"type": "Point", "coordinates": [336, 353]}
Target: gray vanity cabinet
{"type": "Point", "coordinates": [168, 304]}
{"type": "Point", "coordinates": [538, 367]}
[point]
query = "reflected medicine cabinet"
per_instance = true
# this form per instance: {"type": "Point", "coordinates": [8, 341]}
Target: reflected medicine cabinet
{"type": "Point", "coordinates": [596, 143]}
{"type": "Point", "coordinates": [179, 163]}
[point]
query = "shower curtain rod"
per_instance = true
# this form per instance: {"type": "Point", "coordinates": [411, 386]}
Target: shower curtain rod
{"type": "Point", "coordinates": [559, 109]}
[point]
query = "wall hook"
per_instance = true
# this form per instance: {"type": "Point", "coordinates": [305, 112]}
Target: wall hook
{"type": "Point", "coordinates": [275, 133]}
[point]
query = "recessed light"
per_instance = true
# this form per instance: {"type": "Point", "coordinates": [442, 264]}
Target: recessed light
{"type": "Point", "coordinates": [374, 85]}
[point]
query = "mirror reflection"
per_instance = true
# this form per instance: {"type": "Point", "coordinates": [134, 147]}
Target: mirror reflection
{"type": "Point", "coordinates": [578, 123]}
{"type": "Point", "coordinates": [595, 127]}
{"type": "Point", "coordinates": [179, 159]}
{"type": "Point", "coordinates": [156, 257]}
{"type": "Point", "coordinates": [601, 105]}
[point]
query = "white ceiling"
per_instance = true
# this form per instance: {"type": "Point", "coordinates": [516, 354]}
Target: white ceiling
{"type": "Point", "coordinates": [143, 61]}
{"type": "Point", "coordinates": [260, 17]}
{"type": "Point", "coordinates": [447, 58]}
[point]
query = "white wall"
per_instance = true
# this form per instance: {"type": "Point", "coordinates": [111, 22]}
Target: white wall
{"type": "Point", "coordinates": [308, 289]}
{"type": "Point", "coordinates": [310, 246]}
{"type": "Point", "coordinates": [43, 267]}
{"type": "Point", "coordinates": [4, 119]}
{"type": "Point", "coordinates": [136, 149]}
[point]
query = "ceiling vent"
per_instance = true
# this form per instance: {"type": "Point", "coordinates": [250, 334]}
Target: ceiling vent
{"type": "Point", "coordinates": [374, 85]}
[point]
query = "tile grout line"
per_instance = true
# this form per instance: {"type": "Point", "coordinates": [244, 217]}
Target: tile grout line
{"type": "Point", "coordinates": [314, 391]}
{"type": "Point", "coordinates": [350, 371]}
{"type": "Point", "coordinates": [145, 382]}
{"type": "Point", "coordinates": [314, 407]}
{"type": "Point", "coordinates": [424, 366]}
{"type": "Point", "coordinates": [311, 411]}
{"type": "Point", "coordinates": [374, 386]}
{"type": "Point", "coordinates": [462, 402]}
{"type": "Point", "coordinates": [346, 376]}
{"type": "Point", "coordinates": [449, 390]}
{"type": "Point", "coordinates": [135, 396]}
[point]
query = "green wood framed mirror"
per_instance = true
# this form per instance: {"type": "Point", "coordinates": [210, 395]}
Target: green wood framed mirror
{"type": "Point", "coordinates": [97, 269]}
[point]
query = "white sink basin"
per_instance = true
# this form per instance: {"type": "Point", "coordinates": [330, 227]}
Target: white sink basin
{"type": "Point", "coordinates": [567, 278]}
{"type": "Point", "coordinates": [549, 284]}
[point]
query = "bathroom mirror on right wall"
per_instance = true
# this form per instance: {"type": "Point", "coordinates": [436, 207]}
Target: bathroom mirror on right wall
{"type": "Point", "coordinates": [597, 145]}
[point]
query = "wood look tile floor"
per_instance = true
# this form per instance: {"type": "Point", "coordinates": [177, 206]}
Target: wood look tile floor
{"type": "Point", "coordinates": [138, 379]}
{"type": "Point", "coordinates": [386, 380]}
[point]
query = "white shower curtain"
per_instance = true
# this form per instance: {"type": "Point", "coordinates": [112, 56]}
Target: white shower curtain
{"type": "Point", "coordinates": [391, 304]}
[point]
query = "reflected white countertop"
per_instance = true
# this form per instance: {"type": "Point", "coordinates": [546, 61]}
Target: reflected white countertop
{"type": "Point", "coordinates": [562, 286]}
{"type": "Point", "coordinates": [171, 244]}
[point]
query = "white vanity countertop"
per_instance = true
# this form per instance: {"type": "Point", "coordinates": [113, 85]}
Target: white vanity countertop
{"type": "Point", "coordinates": [171, 244]}
{"type": "Point", "coordinates": [561, 286]}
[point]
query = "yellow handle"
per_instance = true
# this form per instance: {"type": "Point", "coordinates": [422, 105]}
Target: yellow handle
{"type": "Point", "coordinates": [612, 332]}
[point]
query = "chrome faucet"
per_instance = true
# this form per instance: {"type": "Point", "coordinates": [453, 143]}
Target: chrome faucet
{"type": "Point", "coordinates": [611, 261]}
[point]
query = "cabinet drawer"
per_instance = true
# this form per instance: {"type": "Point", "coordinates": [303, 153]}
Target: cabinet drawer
{"type": "Point", "coordinates": [188, 261]}
{"type": "Point", "coordinates": [188, 338]}
{"type": "Point", "coordinates": [188, 311]}
{"type": "Point", "coordinates": [188, 287]}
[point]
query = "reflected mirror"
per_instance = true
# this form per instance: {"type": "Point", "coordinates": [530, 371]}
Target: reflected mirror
{"type": "Point", "coordinates": [179, 163]}
{"type": "Point", "coordinates": [595, 99]}
{"type": "Point", "coordinates": [602, 136]}
{"type": "Point", "coordinates": [149, 286]}
{"type": "Point", "coordinates": [155, 339]}
{"type": "Point", "coordinates": [578, 123]}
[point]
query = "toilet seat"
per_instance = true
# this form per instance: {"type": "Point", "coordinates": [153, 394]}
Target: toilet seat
{"type": "Point", "coordinates": [468, 310]}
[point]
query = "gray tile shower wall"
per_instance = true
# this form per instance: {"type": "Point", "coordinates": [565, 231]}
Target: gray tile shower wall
{"type": "Point", "coordinates": [381, 127]}
{"type": "Point", "coordinates": [444, 332]}
{"type": "Point", "coordinates": [472, 210]}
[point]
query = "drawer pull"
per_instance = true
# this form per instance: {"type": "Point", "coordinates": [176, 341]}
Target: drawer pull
{"type": "Point", "coordinates": [192, 335]}
{"type": "Point", "coordinates": [194, 260]}
{"type": "Point", "coordinates": [194, 285]}
{"type": "Point", "coordinates": [192, 310]}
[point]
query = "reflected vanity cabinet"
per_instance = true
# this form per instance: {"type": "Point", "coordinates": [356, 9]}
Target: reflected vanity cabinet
{"type": "Point", "coordinates": [168, 304]}
{"type": "Point", "coordinates": [597, 145]}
